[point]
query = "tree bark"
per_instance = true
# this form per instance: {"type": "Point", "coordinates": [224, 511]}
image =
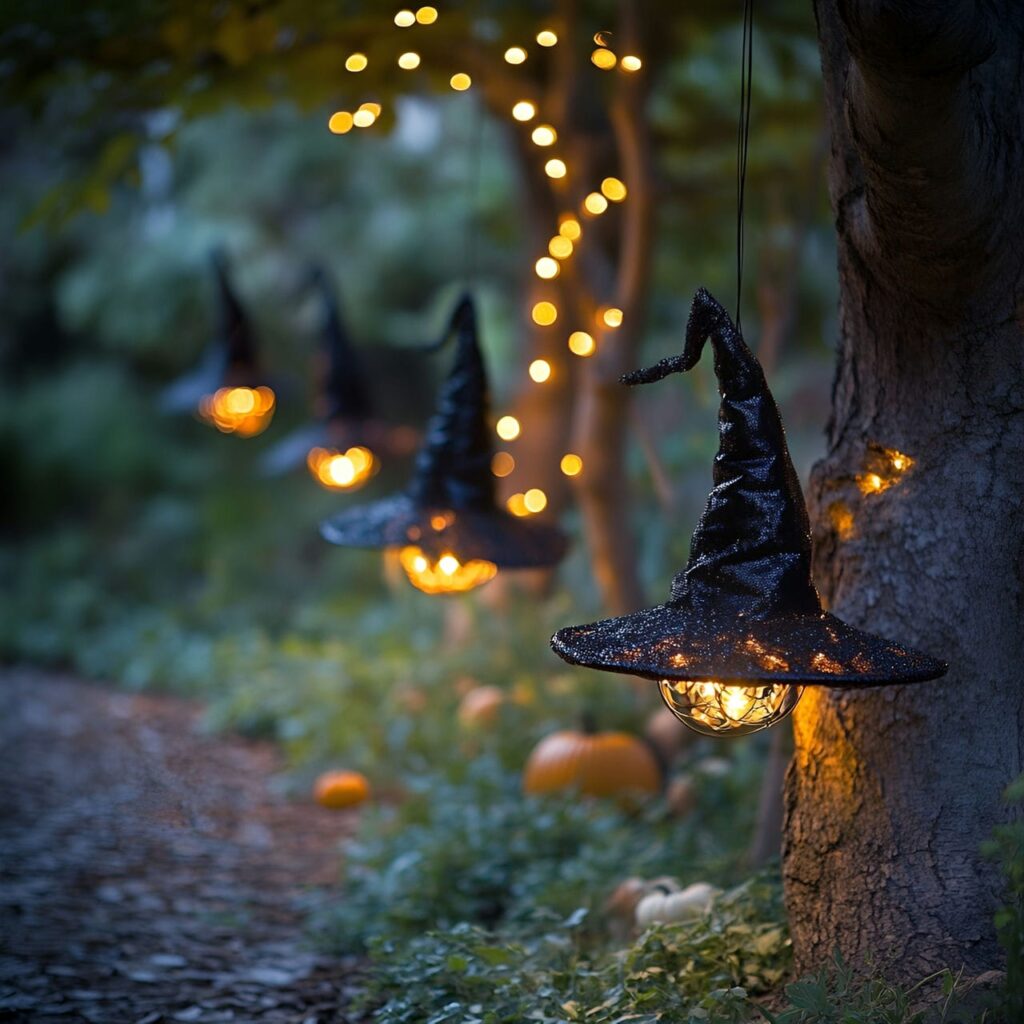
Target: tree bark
{"type": "Point", "coordinates": [892, 790]}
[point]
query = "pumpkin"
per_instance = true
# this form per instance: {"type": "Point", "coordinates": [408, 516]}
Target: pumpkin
{"type": "Point", "coordinates": [338, 789]}
{"type": "Point", "coordinates": [480, 707]}
{"type": "Point", "coordinates": [595, 763]}
{"type": "Point", "coordinates": [667, 903]}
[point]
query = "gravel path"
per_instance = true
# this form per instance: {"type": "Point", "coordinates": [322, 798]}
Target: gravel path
{"type": "Point", "coordinates": [149, 872]}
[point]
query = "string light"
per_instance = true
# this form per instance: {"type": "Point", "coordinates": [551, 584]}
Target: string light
{"type": "Point", "coordinates": [544, 135]}
{"type": "Point", "coordinates": [631, 63]}
{"type": "Point", "coordinates": [460, 81]}
{"type": "Point", "coordinates": [546, 37]}
{"type": "Point", "coordinates": [535, 500]}
{"type": "Point", "coordinates": [603, 59]}
{"type": "Point", "coordinates": [426, 15]}
{"type": "Point", "coordinates": [560, 247]}
{"type": "Point", "coordinates": [546, 268]}
{"type": "Point", "coordinates": [571, 465]}
{"type": "Point", "coordinates": [363, 117]}
{"type": "Point", "coordinates": [515, 55]}
{"type": "Point", "coordinates": [581, 344]}
{"type": "Point", "coordinates": [355, 62]}
{"type": "Point", "coordinates": [595, 204]}
{"type": "Point", "coordinates": [545, 313]}
{"type": "Point", "coordinates": [341, 122]}
{"type": "Point", "coordinates": [507, 428]}
{"type": "Point", "coordinates": [569, 227]}
{"type": "Point", "coordinates": [516, 504]}
{"type": "Point", "coordinates": [540, 371]}
{"type": "Point", "coordinates": [445, 576]}
{"type": "Point", "coordinates": [611, 317]}
{"type": "Point", "coordinates": [403, 19]}
{"type": "Point", "coordinates": [408, 61]}
{"type": "Point", "coordinates": [502, 464]}
{"type": "Point", "coordinates": [341, 472]}
{"type": "Point", "coordinates": [372, 107]}
{"type": "Point", "coordinates": [555, 168]}
{"type": "Point", "coordinates": [613, 189]}
{"type": "Point", "coordinates": [523, 110]}
{"type": "Point", "coordinates": [243, 411]}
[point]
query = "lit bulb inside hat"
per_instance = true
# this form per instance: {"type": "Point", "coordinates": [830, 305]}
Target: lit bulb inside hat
{"type": "Point", "coordinates": [729, 709]}
{"type": "Point", "coordinates": [242, 411]}
{"type": "Point", "coordinates": [341, 471]}
{"type": "Point", "coordinates": [446, 574]}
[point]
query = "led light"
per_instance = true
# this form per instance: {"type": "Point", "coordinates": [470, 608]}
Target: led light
{"type": "Point", "coordinates": [540, 370]}
{"type": "Point", "coordinates": [581, 344]}
{"type": "Point", "coordinates": [544, 313]}
{"type": "Point", "coordinates": [515, 55]}
{"type": "Point", "coordinates": [731, 709]}
{"type": "Point", "coordinates": [613, 189]}
{"type": "Point", "coordinates": [460, 81]}
{"type": "Point", "coordinates": [403, 19]}
{"type": "Point", "coordinates": [507, 428]}
{"type": "Point", "coordinates": [611, 317]}
{"type": "Point", "coordinates": [544, 135]}
{"type": "Point", "coordinates": [555, 168]}
{"type": "Point", "coordinates": [603, 58]}
{"type": "Point", "coordinates": [560, 247]}
{"type": "Point", "coordinates": [595, 203]}
{"type": "Point", "coordinates": [363, 117]}
{"type": "Point", "coordinates": [502, 464]}
{"type": "Point", "coordinates": [426, 15]}
{"type": "Point", "coordinates": [523, 110]}
{"type": "Point", "coordinates": [409, 60]}
{"type": "Point", "coordinates": [341, 122]}
{"type": "Point", "coordinates": [546, 268]}
{"type": "Point", "coordinates": [631, 63]}
{"type": "Point", "coordinates": [355, 62]}
{"type": "Point", "coordinates": [546, 37]}
{"type": "Point", "coordinates": [535, 500]}
{"type": "Point", "coordinates": [571, 465]}
{"type": "Point", "coordinates": [569, 227]}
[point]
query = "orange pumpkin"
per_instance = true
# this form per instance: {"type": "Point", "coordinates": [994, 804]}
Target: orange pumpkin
{"type": "Point", "coordinates": [595, 763]}
{"type": "Point", "coordinates": [480, 707]}
{"type": "Point", "coordinates": [337, 789]}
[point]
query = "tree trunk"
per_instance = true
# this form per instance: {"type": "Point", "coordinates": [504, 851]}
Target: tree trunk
{"type": "Point", "coordinates": [892, 790]}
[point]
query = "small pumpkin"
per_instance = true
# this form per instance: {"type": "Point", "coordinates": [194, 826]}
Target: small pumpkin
{"type": "Point", "coordinates": [667, 903]}
{"type": "Point", "coordinates": [595, 763]}
{"type": "Point", "coordinates": [480, 707]}
{"type": "Point", "coordinates": [340, 789]}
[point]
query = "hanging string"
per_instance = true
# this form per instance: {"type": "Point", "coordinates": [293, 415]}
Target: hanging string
{"type": "Point", "coordinates": [474, 158]}
{"type": "Point", "coordinates": [743, 144]}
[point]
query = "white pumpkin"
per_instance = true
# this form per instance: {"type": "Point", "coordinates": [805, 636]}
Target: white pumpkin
{"type": "Point", "coordinates": [664, 905]}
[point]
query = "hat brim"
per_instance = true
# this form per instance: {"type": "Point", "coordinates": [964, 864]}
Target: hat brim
{"type": "Point", "coordinates": [668, 642]}
{"type": "Point", "coordinates": [490, 535]}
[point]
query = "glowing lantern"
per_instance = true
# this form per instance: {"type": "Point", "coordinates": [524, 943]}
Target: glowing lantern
{"type": "Point", "coordinates": [743, 631]}
{"type": "Point", "coordinates": [450, 533]}
{"type": "Point", "coordinates": [524, 110]}
{"type": "Point", "coordinates": [342, 471]}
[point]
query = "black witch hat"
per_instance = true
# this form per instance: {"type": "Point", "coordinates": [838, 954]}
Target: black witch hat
{"type": "Point", "coordinates": [231, 359]}
{"type": "Point", "coordinates": [744, 608]}
{"type": "Point", "coordinates": [450, 503]}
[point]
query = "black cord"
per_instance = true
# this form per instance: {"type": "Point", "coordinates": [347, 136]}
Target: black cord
{"type": "Point", "coordinates": [743, 144]}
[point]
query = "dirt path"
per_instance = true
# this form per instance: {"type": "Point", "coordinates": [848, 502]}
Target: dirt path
{"type": "Point", "coordinates": [150, 873]}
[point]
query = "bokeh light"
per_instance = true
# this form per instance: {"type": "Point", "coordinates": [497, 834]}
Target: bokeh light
{"type": "Point", "coordinates": [544, 313]}
{"type": "Point", "coordinates": [546, 37]}
{"type": "Point", "coordinates": [507, 428]}
{"type": "Point", "coordinates": [426, 15]}
{"type": "Point", "coordinates": [523, 110]}
{"type": "Point", "coordinates": [546, 268]}
{"type": "Point", "coordinates": [613, 189]}
{"type": "Point", "coordinates": [341, 122]}
{"type": "Point", "coordinates": [460, 81]}
{"type": "Point", "coordinates": [581, 344]}
{"type": "Point", "coordinates": [355, 62]}
{"type": "Point", "coordinates": [403, 19]}
{"type": "Point", "coordinates": [571, 464]}
{"type": "Point", "coordinates": [540, 371]}
{"type": "Point", "coordinates": [409, 60]}
{"type": "Point", "coordinates": [555, 168]}
{"type": "Point", "coordinates": [502, 464]}
{"type": "Point", "coordinates": [535, 500]}
{"type": "Point", "coordinates": [560, 247]}
{"type": "Point", "coordinates": [595, 203]}
{"type": "Point", "coordinates": [515, 55]}
{"type": "Point", "coordinates": [631, 63]}
{"type": "Point", "coordinates": [603, 58]}
{"type": "Point", "coordinates": [544, 135]}
{"type": "Point", "coordinates": [569, 227]}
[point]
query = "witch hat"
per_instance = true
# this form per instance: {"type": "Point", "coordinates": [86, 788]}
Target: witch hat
{"type": "Point", "coordinates": [450, 503]}
{"type": "Point", "coordinates": [744, 609]}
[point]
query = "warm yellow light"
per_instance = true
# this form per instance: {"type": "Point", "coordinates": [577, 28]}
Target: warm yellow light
{"type": "Point", "coordinates": [515, 55]}
{"type": "Point", "coordinates": [544, 135]}
{"type": "Point", "coordinates": [603, 58]}
{"type": "Point", "coordinates": [611, 317]}
{"type": "Point", "coordinates": [364, 117]}
{"type": "Point", "coordinates": [341, 472]}
{"type": "Point", "coordinates": [540, 370]}
{"type": "Point", "coordinates": [242, 411]}
{"type": "Point", "coordinates": [507, 428]}
{"type": "Point", "coordinates": [426, 15]}
{"type": "Point", "coordinates": [502, 464]}
{"type": "Point", "coordinates": [355, 62]}
{"type": "Point", "coordinates": [373, 108]}
{"type": "Point", "coordinates": [544, 313]}
{"type": "Point", "coordinates": [571, 465]}
{"type": "Point", "coordinates": [516, 504]}
{"type": "Point", "coordinates": [403, 19]}
{"type": "Point", "coordinates": [569, 227]}
{"type": "Point", "coordinates": [871, 483]}
{"type": "Point", "coordinates": [409, 60]}
{"type": "Point", "coordinates": [581, 344]}
{"type": "Point", "coordinates": [555, 168]}
{"type": "Point", "coordinates": [523, 110]}
{"type": "Point", "coordinates": [447, 575]}
{"type": "Point", "coordinates": [613, 189]}
{"type": "Point", "coordinates": [340, 122]}
{"type": "Point", "coordinates": [560, 247]}
{"type": "Point", "coordinates": [460, 81]}
{"type": "Point", "coordinates": [546, 268]}
{"type": "Point", "coordinates": [631, 63]}
{"type": "Point", "coordinates": [731, 709]}
{"type": "Point", "coordinates": [546, 37]}
{"type": "Point", "coordinates": [595, 203]}
{"type": "Point", "coordinates": [535, 500]}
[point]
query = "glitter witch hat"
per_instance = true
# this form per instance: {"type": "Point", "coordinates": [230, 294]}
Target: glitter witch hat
{"type": "Point", "coordinates": [450, 504]}
{"type": "Point", "coordinates": [744, 609]}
